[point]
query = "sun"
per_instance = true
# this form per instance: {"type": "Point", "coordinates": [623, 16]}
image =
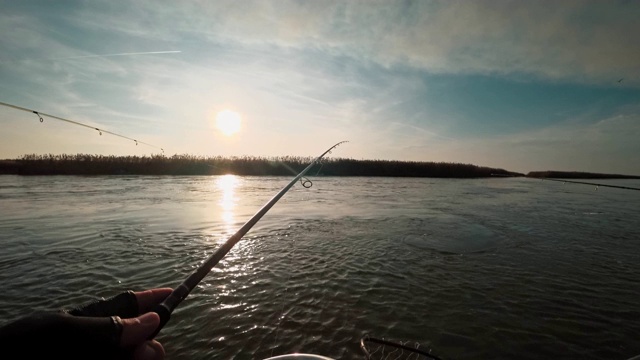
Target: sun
{"type": "Point", "coordinates": [228, 122]}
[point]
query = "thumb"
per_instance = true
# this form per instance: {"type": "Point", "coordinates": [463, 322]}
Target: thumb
{"type": "Point", "coordinates": [139, 329]}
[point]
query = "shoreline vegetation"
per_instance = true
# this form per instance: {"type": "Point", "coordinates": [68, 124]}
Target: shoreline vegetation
{"type": "Point", "coordinates": [87, 164]}
{"type": "Point", "coordinates": [577, 175]}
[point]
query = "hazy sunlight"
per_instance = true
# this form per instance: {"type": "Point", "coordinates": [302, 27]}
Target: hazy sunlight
{"type": "Point", "coordinates": [228, 122]}
{"type": "Point", "coordinates": [227, 184]}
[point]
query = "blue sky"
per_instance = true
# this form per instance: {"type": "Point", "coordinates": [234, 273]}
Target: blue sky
{"type": "Point", "coordinates": [518, 85]}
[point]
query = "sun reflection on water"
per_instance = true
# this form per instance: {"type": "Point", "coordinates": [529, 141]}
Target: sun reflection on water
{"type": "Point", "coordinates": [228, 201]}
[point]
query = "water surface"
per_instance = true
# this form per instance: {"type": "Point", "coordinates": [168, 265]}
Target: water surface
{"type": "Point", "coordinates": [472, 269]}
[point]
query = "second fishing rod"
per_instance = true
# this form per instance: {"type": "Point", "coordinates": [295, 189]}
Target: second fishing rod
{"type": "Point", "coordinates": [166, 308]}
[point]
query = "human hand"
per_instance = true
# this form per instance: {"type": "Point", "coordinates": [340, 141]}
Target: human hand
{"type": "Point", "coordinates": [114, 328]}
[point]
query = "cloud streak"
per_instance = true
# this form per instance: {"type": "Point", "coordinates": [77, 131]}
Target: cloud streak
{"type": "Point", "coordinates": [579, 41]}
{"type": "Point", "coordinates": [500, 83]}
{"type": "Point", "coordinates": [121, 54]}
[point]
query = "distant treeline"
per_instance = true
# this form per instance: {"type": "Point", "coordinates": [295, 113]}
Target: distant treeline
{"type": "Point", "coordinates": [577, 175]}
{"type": "Point", "coordinates": [84, 164]}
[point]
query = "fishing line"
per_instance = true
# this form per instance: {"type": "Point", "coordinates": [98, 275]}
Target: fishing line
{"type": "Point", "coordinates": [99, 130]}
{"type": "Point", "coordinates": [166, 308]}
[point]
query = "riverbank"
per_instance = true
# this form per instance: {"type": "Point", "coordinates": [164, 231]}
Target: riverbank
{"type": "Point", "coordinates": [244, 166]}
{"type": "Point", "coordinates": [577, 175]}
{"type": "Point", "coordinates": [83, 164]}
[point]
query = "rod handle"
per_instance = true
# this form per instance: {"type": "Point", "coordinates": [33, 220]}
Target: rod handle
{"type": "Point", "coordinates": [165, 314]}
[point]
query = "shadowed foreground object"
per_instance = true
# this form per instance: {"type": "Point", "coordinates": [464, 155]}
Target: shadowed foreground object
{"type": "Point", "coordinates": [375, 348]}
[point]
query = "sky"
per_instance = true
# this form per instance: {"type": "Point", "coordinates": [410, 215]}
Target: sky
{"type": "Point", "coordinates": [518, 85]}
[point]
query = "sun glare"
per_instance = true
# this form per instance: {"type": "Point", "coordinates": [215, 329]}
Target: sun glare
{"type": "Point", "coordinates": [228, 122]}
{"type": "Point", "coordinates": [227, 184]}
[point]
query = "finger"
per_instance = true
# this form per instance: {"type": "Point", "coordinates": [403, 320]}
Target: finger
{"type": "Point", "coordinates": [149, 298]}
{"type": "Point", "coordinates": [137, 330]}
{"type": "Point", "coordinates": [124, 305]}
{"type": "Point", "coordinates": [149, 350]}
{"type": "Point", "coordinates": [73, 337]}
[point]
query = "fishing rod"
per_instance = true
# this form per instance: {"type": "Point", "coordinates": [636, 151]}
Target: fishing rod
{"type": "Point", "coordinates": [100, 131]}
{"type": "Point", "coordinates": [590, 183]}
{"type": "Point", "coordinates": [169, 304]}
{"type": "Point", "coordinates": [572, 181]}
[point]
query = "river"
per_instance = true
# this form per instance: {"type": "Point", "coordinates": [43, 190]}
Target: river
{"type": "Point", "coordinates": [500, 268]}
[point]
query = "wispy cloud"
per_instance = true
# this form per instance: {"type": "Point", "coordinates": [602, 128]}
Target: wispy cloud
{"type": "Point", "coordinates": [581, 41]}
{"type": "Point", "coordinates": [501, 83]}
{"type": "Point", "coordinates": [608, 145]}
{"type": "Point", "coordinates": [121, 54]}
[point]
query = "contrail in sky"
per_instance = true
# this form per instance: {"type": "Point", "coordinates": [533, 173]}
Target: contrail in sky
{"type": "Point", "coordinates": [121, 54]}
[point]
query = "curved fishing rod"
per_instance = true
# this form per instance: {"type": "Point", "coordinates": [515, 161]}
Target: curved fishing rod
{"type": "Point", "coordinates": [100, 131]}
{"type": "Point", "coordinates": [165, 308]}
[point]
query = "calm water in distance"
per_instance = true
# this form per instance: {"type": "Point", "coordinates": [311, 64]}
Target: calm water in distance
{"type": "Point", "coordinates": [471, 269]}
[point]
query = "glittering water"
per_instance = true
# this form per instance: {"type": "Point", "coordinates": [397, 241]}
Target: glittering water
{"type": "Point", "coordinates": [472, 269]}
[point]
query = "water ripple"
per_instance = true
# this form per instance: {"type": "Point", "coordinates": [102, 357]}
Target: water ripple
{"type": "Point", "coordinates": [470, 269]}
